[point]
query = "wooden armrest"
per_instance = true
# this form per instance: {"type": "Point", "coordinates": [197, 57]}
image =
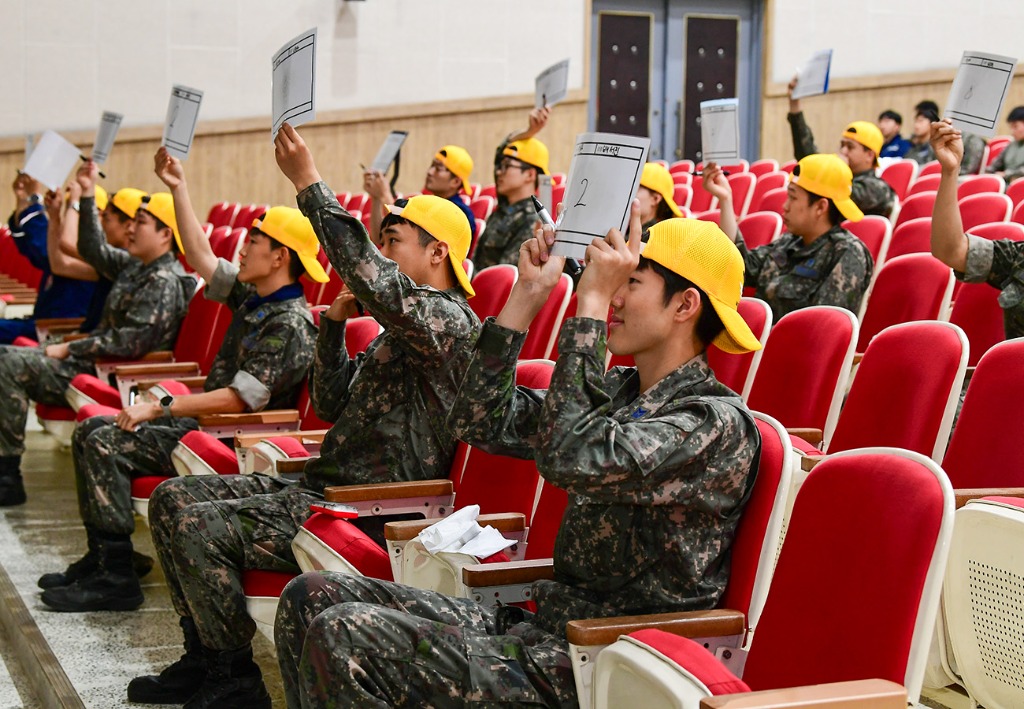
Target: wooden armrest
{"type": "Point", "coordinates": [811, 435]}
{"type": "Point", "coordinates": [259, 417]}
{"type": "Point", "coordinates": [389, 491]}
{"type": "Point", "coordinates": [158, 356]}
{"type": "Point", "coordinates": [965, 495]}
{"type": "Point", "coordinates": [290, 465]}
{"type": "Point", "coordinates": [857, 357]}
{"type": "Point", "coordinates": [807, 462]}
{"type": "Point", "coordinates": [72, 336]}
{"type": "Point", "coordinates": [51, 323]}
{"type": "Point", "coordinates": [858, 694]}
{"type": "Point", "coordinates": [408, 529]}
{"type": "Point", "coordinates": [190, 382]}
{"type": "Point", "coordinates": [248, 440]}
{"type": "Point", "coordinates": [688, 624]}
{"type": "Point", "coordinates": [508, 573]}
{"type": "Point", "coordinates": [156, 369]}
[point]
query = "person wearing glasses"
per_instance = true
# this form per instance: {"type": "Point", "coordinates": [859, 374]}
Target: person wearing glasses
{"type": "Point", "coordinates": [518, 163]}
{"type": "Point", "coordinates": [447, 176]}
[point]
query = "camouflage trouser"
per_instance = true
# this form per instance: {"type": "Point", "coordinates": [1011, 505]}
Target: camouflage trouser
{"type": "Point", "coordinates": [27, 373]}
{"type": "Point", "coordinates": [107, 458]}
{"type": "Point", "coordinates": [208, 529]}
{"type": "Point", "coordinates": [351, 641]}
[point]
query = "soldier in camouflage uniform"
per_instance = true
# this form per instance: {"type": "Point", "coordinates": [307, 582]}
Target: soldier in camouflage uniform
{"type": "Point", "coordinates": [519, 159]}
{"type": "Point", "coordinates": [920, 148]}
{"type": "Point", "coordinates": [388, 406]}
{"type": "Point", "coordinates": [859, 146]}
{"type": "Point", "coordinates": [261, 363]}
{"type": "Point", "coordinates": [974, 145]}
{"type": "Point", "coordinates": [657, 461]}
{"type": "Point", "coordinates": [1010, 162]}
{"type": "Point", "coordinates": [972, 258]}
{"type": "Point", "coordinates": [142, 313]}
{"type": "Point", "coordinates": [816, 262]}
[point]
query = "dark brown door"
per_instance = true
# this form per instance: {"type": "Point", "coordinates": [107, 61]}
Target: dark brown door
{"type": "Point", "coordinates": [711, 66]}
{"type": "Point", "coordinates": [624, 71]}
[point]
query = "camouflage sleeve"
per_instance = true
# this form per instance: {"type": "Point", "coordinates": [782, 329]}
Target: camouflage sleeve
{"type": "Point", "coordinates": [997, 165]}
{"type": "Point", "coordinates": [1014, 174]}
{"type": "Point", "coordinates": [332, 372]}
{"type": "Point", "coordinates": [224, 286]}
{"type": "Point", "coordinates": [974, 148]}
{"type": "Point", "coordinates": [873, 196]}
{"type": "Point", "coordinates": [151, 322]}
{"type": "Point", "coordinates": [846, 283]}
{"type": "Point", "coordinates": [992, 262]}
{"type": "Point", "coordinates": [490, 412]}
{"type": "Point", "coordinates": [803, 139]}
{"type": "Point", "coordinates": [275, 364]}
{"type": "Point", "coordinates": [427, 322]}
{"type": "Point", "coordinates": [92, 243]}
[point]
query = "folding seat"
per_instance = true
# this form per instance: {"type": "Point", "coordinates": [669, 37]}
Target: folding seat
{"type": "Point", "coordinates": [711, 215]}
{"type": "Point", "coordinates": [995, 146]}
{"type": "Point", "coordinates": [1015, 191]}
{"type": "Point", "coordinates": [915, 206]}
{"type": "Point", "coordinates": [999, 230]}
{"type": "Point", "coordinates": [359, 201]}
{"type": "Point", "coordinates": [910, 287]}
{"type": "Point", "coordinates": [760, 228]}
{"type": "Point", "coordinates": [876, 233]}
{"type": "Point", "coordinates": [682, 194]}
{"type": "Point", "coordinates": [245, 216]}
{"type": "Point", "coordinates": [764, 166]}
{"type": "Point", "coordinates": [904, 395]}
{"type": "Point", "coordinates": [977, 311]}
{"type": "Point", "coordinates": [804, 368]}
{"type": "Point", "coordinates": [845, 602]}
{"type": "Point", "coordinates": [681, 166]}
{"type": "Point", "coordinates": [977, 184]}
{"type": "Point", "coordinates": [540, 338]}
{"type": "Point", "coordinates": [765, 183]}
{"type": "Point", "coordinates": [682, 178]}
{"type": "Point", "coordinates": [222, 214]}
{"type": "Point", "coordinates": [900, 175]}
{"type": "Point", "coordinates": [732, 168]}
{"type": "Point", "coordinates": [493, 286]}
{"type": "Point", "coordinates": [557, 179]}
{"type": "Point", "coordinates": [929, 168]}
{"type": "Point", "coordinates": [742, 185]}
{"type": "Point", "coordinates": [557, 197]}
{"type": "Point", "coordinates": [482, 207]}
{"type": "Point", "coordinates": [227, 242]}
{"type": "Point", "coordinates": [1018, 214]}
{"type": "Point", "coordinates": [342, 197]}
{"type": "Point", "coordinates": [925, 183]}
{"type": "Point", "coordinates": [984, 207]}
{"type": "Point", "coordinates": [737, 371]}
{"type": "Point", "coordinates": [772, 200]}
{"type": "Point", "coordinates": [488, 191]}
{"type": "Point", "coordinates": [701, 200]}
{"type": "Point", "coordinates": [913, 236]}
{"type": "Point", "coordinates": [788, 166]}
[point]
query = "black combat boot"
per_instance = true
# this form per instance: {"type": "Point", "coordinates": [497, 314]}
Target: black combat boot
{"type": "Point", "coordinates": [12, 491]}
{"type": "Point", "coordinates": [88, 564]}
{"type": "Point", "coordinates": [177, 682]}
{"type": "Point", "coordinates": [233, 681]}
{"type": "Point", "coordinates": [113, 586]}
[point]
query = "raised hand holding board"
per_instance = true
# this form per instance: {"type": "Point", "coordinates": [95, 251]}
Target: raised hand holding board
{"type": "Point", "coordinates": [720, 130]}
{"type": "Point", "coordinates": [812, 77]}
{"type": "Point", "coordinates": [389, 151]}
{"type": "Point", "coordinates": [51, 160]}
{"type": "Point", "coordinates": [979, 91]}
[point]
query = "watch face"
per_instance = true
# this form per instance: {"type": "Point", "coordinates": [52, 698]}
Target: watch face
{"type": "Point", "coordinates": [167, 400]}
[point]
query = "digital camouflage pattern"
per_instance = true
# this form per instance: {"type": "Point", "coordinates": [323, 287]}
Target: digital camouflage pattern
{"type": "Point", "coordinates": [506, 230]}
{"type": "Point", "coordinates": [272, 342]}
{"type": "Point", "coordinates": [371, 643]}
{"type": "Point", "coordinates": [869, 192]}
{"type": "Point", "coordinates": [1001, 265]}
{"type": "Point", "coordinates": [835, 269]}
{"type": "Point", "coordinates": [920, 153]}
{"type": "Point", "coordinates": [656, 483]}
{"type": "Point", "coordinates": [974, 150]}
{"type": "Point", "coordinates": [389, 407]}
{"type": "Point", "coordinates": [1010, 162]}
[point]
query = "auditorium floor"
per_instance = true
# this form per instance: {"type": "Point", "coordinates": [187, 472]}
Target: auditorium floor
{"type": "Point", "coordinates": [87, 659]}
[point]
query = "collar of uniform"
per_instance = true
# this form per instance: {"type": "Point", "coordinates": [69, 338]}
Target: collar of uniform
{"type": "Point", "coordinates": [799, 248]}
{"type": "Point", "coordinates": [286, 292]}
{"type": "Point", "coordinates": [670, 387]}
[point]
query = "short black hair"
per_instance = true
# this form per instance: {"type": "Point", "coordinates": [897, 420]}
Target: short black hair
{"type": "Point", "coordinates": [122, 216]}
{"type": "Point", "coordinates": [928, 113]}
{"type": "Point", "coordinates": [425, 237]}
{"type": "Point", "coordinates": [709, 325]}
{"type": "Point", "coordinates": [889, 113]}
{"type": "Point", "coordinates": [160, 225]}
{"type": "Point", "coordinates": [835, 217]}
{"type": "Point", "coordinates": [664, 211]}
{"type": "Point", "coordinates": [926, 105]}
{"type": "Point", "coordinates": [1017, 114]}
{"type": "Point", "coordinates": [295, 267]}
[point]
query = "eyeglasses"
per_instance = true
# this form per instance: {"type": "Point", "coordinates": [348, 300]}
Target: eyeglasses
{"type": "Point", "coordinates": [438, 167]}
{"type": "Point", "coordinates": [508, 164]}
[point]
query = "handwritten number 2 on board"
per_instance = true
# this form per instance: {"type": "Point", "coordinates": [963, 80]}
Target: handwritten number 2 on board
{"type": "Point", "coordinates": [579, 202]}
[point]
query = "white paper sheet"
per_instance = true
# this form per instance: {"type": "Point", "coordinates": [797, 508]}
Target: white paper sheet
{"type": "Point", "coordinates": [552, 84]}
{"type": "Point", "coordinates": [603, 178]}
{"type": "Point", "coordinates": [105, 135]}
{"type": "Point", "coordinates": [544, 190]}
{"type": "Point", "coordinates": [52, 159]}
{"type": "Point", "coordinates": [979, 91]}
{"type": "Point", "coordinates": [812, 77]}
{"type": "Point", "coordinates": [389, 150]}
{"type": "Point", "coordinates": [294, 82]}
{"type": "Point", "coordinates": [720, 130]}
{"type": "Point", "coordinates": [461, 534]}
{"type": "Point", "coordinates": [182, 117]}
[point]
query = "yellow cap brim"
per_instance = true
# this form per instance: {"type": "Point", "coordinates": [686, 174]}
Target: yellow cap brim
{"type": "Point", "coordinates": [313, 268]}
{"type": "Point", "coordinates": [672, 205]}
{"type": "Point", "coordinates": [849, 209]}
{"type": "Point", "coordinates": [460, 274]}
{"type": "Point", "coordinates": [737, 337]}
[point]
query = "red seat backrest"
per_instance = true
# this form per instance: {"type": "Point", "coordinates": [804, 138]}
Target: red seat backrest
{"type": "Point", "coordinates": [899, 175]}
{"type": "Point", "coordinates": [916, 205]}
{"type": "Point", "coordinates": [984, 207]}
{"type": "Point", "coordinates": [733, 369]}
{"type": "Point", "coordinates": [570, 312]}
{"type": "Point", "coordinates": [544, 328]}
{"type": "Point", "coordinates": [199, 337]}
{"type": "Point", "coordinates": [482, 207]}
{"type": "Point", "coordinates": [765, 183]}
{"type": "Point", "coordinates": [245, 216]}
{"type": "Point", "coordinates": [977, 312]}
{"type": "Point", "coordinates": [1015, 191]}
{"type": "Point", "coordinates": [764, 166]}
{"type": "Point", "coordinates": [772, 200]}
{"type": "Point", "coordinates": [1000, 230]}
{"type": "Point", "coordinates": [546, 521]}
{"type": "Point", "coordinates": [929, 168]}
{"type": "Point", "coordinates": [760, 228]}
{"type": "Point", "coordinates": [925, 183]}
{"type": "Point", "coordinates": [222, 214]}
{"type": "Point", "coordinates": [493, 286]}
{"type": "Point", "coordinates": [911, 237]}
{"type": "Point", "coordinates": [742, 184]}
{"type": "Point", "coordinates": [995, 147]}
{"type": "Point", "coordinates": [875, 231]}
{"type": "Point", "coordinates": [978, 184]}
{"type": "Point", "coordinates": [701, 200]}
{"type": "Point", "coordinates": [910, 287]}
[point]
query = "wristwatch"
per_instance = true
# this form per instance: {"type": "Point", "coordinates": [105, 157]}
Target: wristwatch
{"type": "Point", "coordinates": [165, 404]}
{"type": "Point", "coordinates": [75, 205]}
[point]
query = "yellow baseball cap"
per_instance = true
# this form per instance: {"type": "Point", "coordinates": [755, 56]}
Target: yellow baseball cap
{"type": "Point", "coordinates": [531, 151]}
{"type": "Point", "coordinates": [289, 226]}
{"type": "Point", "coordinates": [657, 178]}
{"type": "Point", "coordinates": [161, 206]}
{"type": "Point", "coordinates": [101, 198]}
{"type": "Point", "coordinates": [445, 222]}
{"type": "Point", "coordinates": [867, 134]}
{"type": "Point", "coordinates": [128, 200]}
{"type": "Point", "coordinates": [701, 253]}
{"type": "Point", "coordinates": [828, 176]}
{"type": "Point", "coordinates": [457, 161]}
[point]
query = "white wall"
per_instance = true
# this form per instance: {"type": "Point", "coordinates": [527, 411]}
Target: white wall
{"type": "Point", "coordinates": [65, 61]}
{"type": "Point", "coordinates": [889, 36]}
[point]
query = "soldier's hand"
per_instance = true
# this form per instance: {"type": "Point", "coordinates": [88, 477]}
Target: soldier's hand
{"type": "Point", "coordinates": [343, 307]}
{"type": "Point", "coordinates": [715, 182]}
{"type": "Point", "coordinates": [538, 119]}
{"type": "Point", "coordinates": [86, 178]}
{"type": "Point", "coordinates": [539, 270]}
{"type": "Point", "coordinates": [294, 158]}
{"type": "Point", "coordinates": [794, 103]}
{"type": "Point", "coordinates": [129, 418]}
{"type": "Point", "coordinates": [74, 191]}
{"type": "Point", "coordinates": [60, 350]}
{"type": "Point", "coordinates": [52, 201]}
{"type": "Point", "coordinates": [609, 264]}
{"type": "Point", "coordinates": [948, 144]}
{"type": "Point", "coordinates": [168, 168]}
{"type": "Point", "coordinates": [377, 187]}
